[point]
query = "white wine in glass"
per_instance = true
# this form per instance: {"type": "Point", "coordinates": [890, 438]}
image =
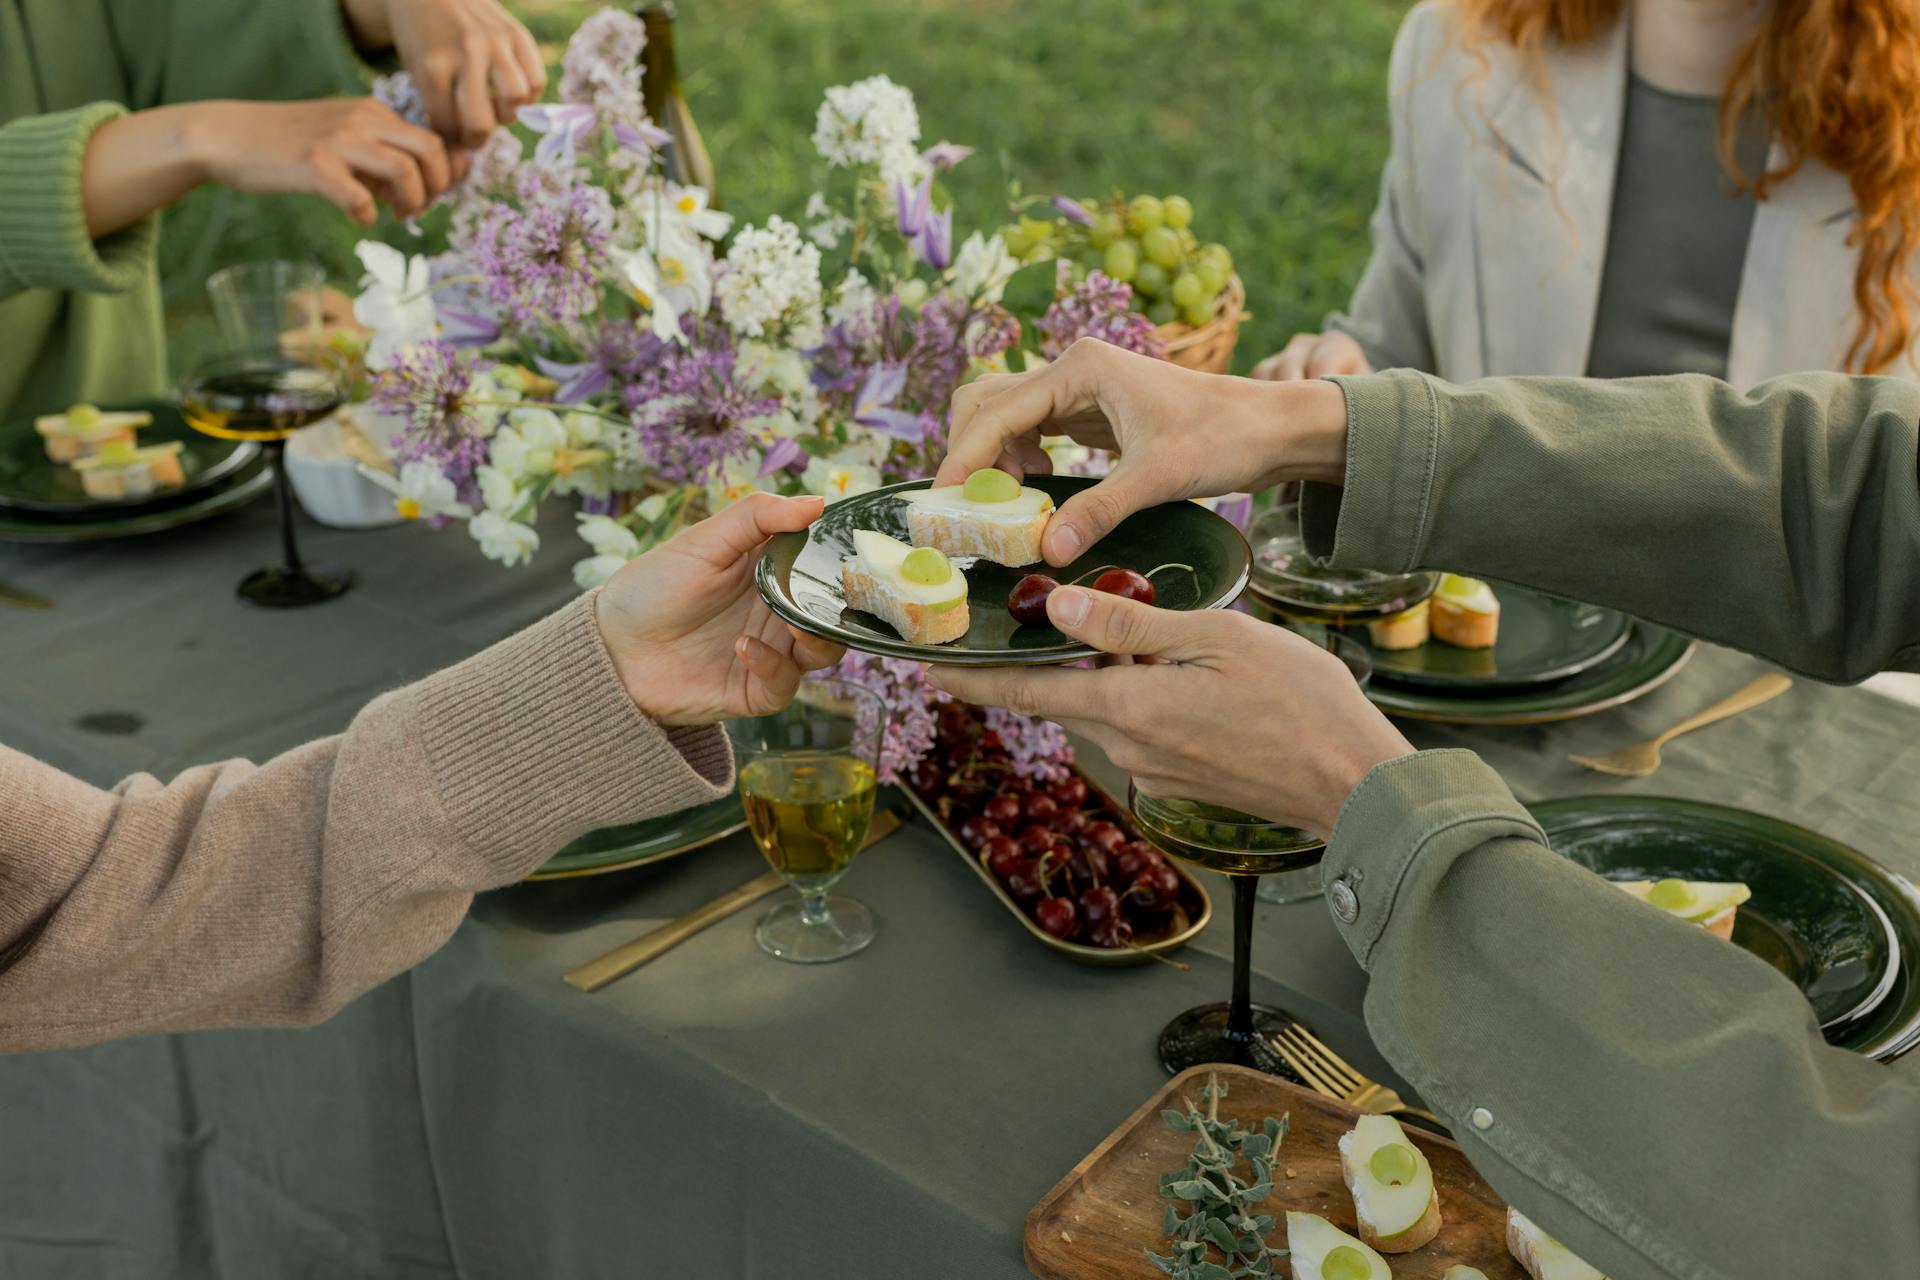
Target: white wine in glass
{"type": "Point", "coordinates": [809, 816]}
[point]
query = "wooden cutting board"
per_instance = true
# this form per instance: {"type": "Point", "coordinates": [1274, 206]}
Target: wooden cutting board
{"type": "Point", "coordinates": [1098, 1221]}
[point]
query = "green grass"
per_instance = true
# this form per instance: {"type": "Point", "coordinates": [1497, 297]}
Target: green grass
{"type": "Point", "coordinates": [1269, 116]}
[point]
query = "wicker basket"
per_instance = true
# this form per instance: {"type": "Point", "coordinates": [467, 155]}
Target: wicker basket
{"type": "Point", "coordinates": [1208, 348]}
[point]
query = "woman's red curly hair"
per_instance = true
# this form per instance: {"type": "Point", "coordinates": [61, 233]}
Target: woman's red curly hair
{"type": "Point", "coordinates": [1838, 82]}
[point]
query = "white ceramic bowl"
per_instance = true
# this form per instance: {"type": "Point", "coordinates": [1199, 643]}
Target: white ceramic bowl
{"type": "Point", "coordinates": [327, 479]}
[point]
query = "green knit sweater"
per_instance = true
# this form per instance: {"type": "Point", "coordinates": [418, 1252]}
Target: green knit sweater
{"type": "Point", "coordinates": [81, 317]}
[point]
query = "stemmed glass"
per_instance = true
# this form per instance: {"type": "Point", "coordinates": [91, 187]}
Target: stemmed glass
{"type": "Point", "coordinates": [808, 775]}
{"type": "Point", "coordinates": [272, 380]}
{"type": "Point", "coordinates": [1243, 848]}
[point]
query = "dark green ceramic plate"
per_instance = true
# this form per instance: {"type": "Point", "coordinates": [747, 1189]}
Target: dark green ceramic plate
{"type": "Point", "coordinates": [30, 481]}
{"type": "Point", "coordinates": [1842, 927]}
{"type": "Point", "coordinates": [800, 576]}
{"type": "Point", "coordinates": [1648, 658]}
{"type": "Point", "coordinates": [1542, 638]}
{"type": "Point", "coordinates": [617, 848]}
{"type": "Point", "coordinates": [249, 483]}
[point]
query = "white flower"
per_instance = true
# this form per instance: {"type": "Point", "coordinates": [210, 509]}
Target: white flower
{"type": "Point", "coordinates": [585, 430]}
{"type": "Point", "coordinates": [526, 445]}
{"type": "Point", "coordinates": [422, 491]}
{"type": "Point", "coordinates": [608, 537]}
{"type": "Point", "coordinates": [738, 477]}
{"type": "Point", "coordinates": [500, 493]}
{"type": "Point", "coordinates": [671, 280]}
{"type": "Point", "coordinates": [396, 301]}
{"type": "Point", "coordinates": [873, 121]}
{"type": "Point", "coordinates": [912, 293]}
{"type": "Point", "coordinates": [982, 267]}
{"type": "Point", "coordinates": [839, 476]}
{"type": "Point", "coordinates": [502, 539]}
{"type": "Point", "coordinates": [826, 224]}
{"type": "Point", "coordinates": [682, 213]}
{"type": "Point", "coordinates": [853, 301]}
{"type": "Point", "coordinates": [772, 282]}
{"type": "Point", "coordinates": [595, 570]}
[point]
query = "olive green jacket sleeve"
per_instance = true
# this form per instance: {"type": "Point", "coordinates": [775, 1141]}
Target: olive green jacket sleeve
{"type": "Point", "coordinates": [1661, 1101]}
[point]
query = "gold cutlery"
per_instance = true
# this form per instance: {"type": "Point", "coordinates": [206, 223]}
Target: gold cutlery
{"type": "Point", "coordinates": [1643, 758]}
{"type": "Point", "coordinates": [22, 598]}
{"type": "Point", "coordinates": [628, 956]}
{"type": "Point", "coordinates": [1326, 1072]}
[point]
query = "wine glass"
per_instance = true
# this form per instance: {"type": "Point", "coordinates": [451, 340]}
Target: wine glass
{"type": "Point", "coordinates": [272, 380]}
{"type": "Point", "coordinates": [808, 775]}
{"type": "Point", "coordinates": [1289, 581]}
{"type": "Point", "coordinates": [1244, 848]}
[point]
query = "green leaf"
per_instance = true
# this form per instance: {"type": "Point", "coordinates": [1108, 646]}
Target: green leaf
{"type": "Point", "coordinates": [1222, 1235]}
{"type": "Point", "coordinates": [1273, 1129]}
{"type": "Point", "coordinates": [1170, 1221]}
{"type": "Point", "coordinates": [942, 198]}
{"type": "Point", "coordinates": [1211, 1271]}
{"type": "Point", "coordinates": [1256, 1146]}
{"type": "Point", "coordinates": [1029, 290]}
{"type": "Point", "coordinates": [1175, 1120]}
{"type": "Point", "coordinates": [1017, 362]}
{"type": "Point", "coordinates": [1193, 1189]}
{"type": "Point", "coordinates": [1165, 1264]}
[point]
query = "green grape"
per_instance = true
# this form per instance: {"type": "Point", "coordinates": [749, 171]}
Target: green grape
{"type": "Point", "coordinates": [1177, 210]}
{"type": "Point", "coordinates": [1123, 259]}
{"type": "Point", "coordinates": [927, 566]}
{"type": "Point", "coordinates": [1163, 312]}
{"type": "Point", "coordinates": [83, 417]}
{"type": "Point", "coordinates": [1187, 289]}
{"type": "Point", "coordinates": [1213, 276]}
{"type": "Point", "coordinates": [989, 485]}
{"type": "Point", "coordinates": [1344, 1262]}
{"type": "Point", "coordinates": [1670, 895]}
{"type": "Point", "coordinates": [1161, 246]}
{"type": "Point", "coordinates": [1199, 313]}
{"type": "Point", "coordinates": [1219, 252]}
{"type": "Point", "coordinates": [1143, 214]}
{"type": "Point", "coordinates": [1394, 1164]}
{"type": "Point", "coordinates": [1105, 230]}
{"type": "Point", "coordinates": [1151, 279]}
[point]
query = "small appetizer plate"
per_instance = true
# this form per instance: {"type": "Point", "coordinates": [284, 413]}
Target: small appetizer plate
{"type": "Point", "coordinates": [800, 576]}
{"type": "Point", "coordinates": [1542, 638]}
{"type": "Point", "coordinates": [31, 482]}
{"type": "Point", "coordinates": [638, 843]}
{"type": "Point", "coordinates": [1841, 927]}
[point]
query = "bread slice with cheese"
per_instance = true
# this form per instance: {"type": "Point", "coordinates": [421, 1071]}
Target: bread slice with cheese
{"type": "Point", "coordinates": [991, 516]}
{"type": "Point", "coordinates": [1711, 904]}
{"type": "Point", "coordinates": [1465, 613]}
{"type": "Point", "coordinates": [1540, 1255]}
{"type": "Point", "coordinates": [925, 600]}
{"type": "Point", "coordinates": [1394, 1197]}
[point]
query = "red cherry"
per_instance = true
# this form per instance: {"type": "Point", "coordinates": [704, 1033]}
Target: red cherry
{"type": "Point", "coordinates": [1070, 791]}
{"type": "Point", "coordinates": [927, 777]}
{"type": "Point", "coordinates": [1056, 916]}
{"type": "Point", "coordinates": [1042, 808]}
{"type": "Point", "coordinates": [1036, 839]}
{"type": "Point", "coordinates": [990, 742]}
{"type": "Point", "coordinates": [1099, 905]}
{"type": "Point", "coordinates": [1106, 835]}
{"type": "Point", "coordinates": [1155, 889]}
{"type": "Point", "coordinates": [956, 721]}
{"type": "Point", "coordinates": [1003, 809]}
{"type": "Point", "coordinates": [1097, 865]}
{"type": "Point", "coordinates": [977, 830]}
{"type": "Point", "coordinates": [1126, 584]}
{"type": "Point", "coordinates": [1114, 934]}
{"type": "Point", "coordinates": [1002, 855]}
{"type": "Point", "coordinates": [1027, 602]}
{"type": "Point", "coordinates": [1024, 883]}
{"type": "Point", "coordinates": [1071, 822]}
{"type": "Point", "coordinates": [1134, 857]}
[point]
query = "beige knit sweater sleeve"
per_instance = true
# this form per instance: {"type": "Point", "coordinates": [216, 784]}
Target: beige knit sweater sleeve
{"type": "Point", "coordinates": [272, 894]}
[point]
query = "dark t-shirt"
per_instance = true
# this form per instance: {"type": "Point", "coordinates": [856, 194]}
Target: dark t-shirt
{"type": "Point", "coordinates": [1676, 242]}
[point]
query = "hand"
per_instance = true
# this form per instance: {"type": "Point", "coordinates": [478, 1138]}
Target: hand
{"type": "Point", "coordinates": [1180, 434]}
{"type": "Point", "coordinates": [1234, 712]}
{"type": "Point", "coordinates": [1313, 355]}
{"type": "Point", "coordinates": [688, 633]}
{"type": "Point", "coordinates": [473, 62]}
{"type": "Point", "coordinates": [353, 151]}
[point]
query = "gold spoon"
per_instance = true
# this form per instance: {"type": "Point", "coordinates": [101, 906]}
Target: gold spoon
{"type": "Point", "coordinates": [1643, 758]}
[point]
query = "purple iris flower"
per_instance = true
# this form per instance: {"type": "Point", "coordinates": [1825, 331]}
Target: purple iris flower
{"type": "Point", "coordinates": [644, 137]}
{"type": "Point", "coordinates": [913, 207]}
{"type": "Point", "coordinates": [784, 455]}
{"type": "Point", "coordinates": [577, 381]}
{"type": "Point", "coordinates": [1236, 510]}
{"type": "Point", "coordinates": [468, 328]}
{"type": "Point", "coordinates": [1074, 210]}
{"type": "Point", "coordinates": [942, 156]}
{"type": "Point", "coordinates": [934, 244]}
{"type": "Point", "coordinates": [561, 125]}
{"type": "Point", "coordinates": [872, 405]}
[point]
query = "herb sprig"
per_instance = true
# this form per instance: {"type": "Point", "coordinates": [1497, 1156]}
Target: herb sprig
{"type": "Point", "coordinates": [1222, 1217]}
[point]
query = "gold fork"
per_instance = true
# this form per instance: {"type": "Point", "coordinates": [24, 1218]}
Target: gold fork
{"type": "Point", "coordinates": [1328, 1073]}
{"type": "Point", "coordinates": [1642, 758]}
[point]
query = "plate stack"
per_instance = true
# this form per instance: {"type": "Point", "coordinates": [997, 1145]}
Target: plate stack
{"type": "Point", "coordinates": [43, 501]}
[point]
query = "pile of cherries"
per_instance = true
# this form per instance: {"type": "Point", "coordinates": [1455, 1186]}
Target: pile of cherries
{"type": "Point", "coordinates": [1082, 877]}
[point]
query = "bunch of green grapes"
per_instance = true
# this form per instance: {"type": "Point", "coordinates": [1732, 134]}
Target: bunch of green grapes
{"type": "Point", "coordinates": [1147, 242]}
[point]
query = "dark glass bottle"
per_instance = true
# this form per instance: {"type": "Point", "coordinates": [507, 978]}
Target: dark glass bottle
{"type": "Point", "coordinates": [685, 158]}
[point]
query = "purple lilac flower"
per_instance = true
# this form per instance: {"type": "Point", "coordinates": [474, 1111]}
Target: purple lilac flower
{"type": "Point", "coordinates": [1074, 210]}
{"type": "Point", "coordinates": [909, 699]}
{"type": "Point", "coordinates": [603, 56]}
{"type": "Point", "coordinates": [543, 256]}
{"type": "Point", "coordinates": [430, 388]}
{"type": "Point", "coordinates": [688, 414]}
{"type": "Point", "coordinates": [1039, 748]}
{"type": "Point", "coordinates": [399, 94]}
{"type": "Point", "coordinates": [1097, 307]}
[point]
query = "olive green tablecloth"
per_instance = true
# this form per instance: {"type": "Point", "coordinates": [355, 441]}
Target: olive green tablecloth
{"type": "Point", "coordinates": [718, 1113]}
